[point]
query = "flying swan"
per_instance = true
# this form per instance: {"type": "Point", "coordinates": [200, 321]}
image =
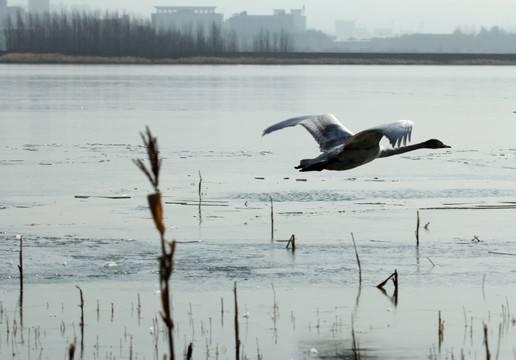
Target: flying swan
{"type": "Point", "coordinates": [343, 150]}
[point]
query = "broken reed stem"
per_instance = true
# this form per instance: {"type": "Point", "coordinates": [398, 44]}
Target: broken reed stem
{"type": "Point", "coordinates": [189, 352]}
{"type": "Point", "coordinates": [358, 259]}
{"type": "Point", "coordinates": [394, 277]}
{"type": "Point", "coordinates": [272, 220]}
{"type": "Point", "coordinates": [431, 262]}
{"type": "Point", "coordinates": [237, 339]}
{"type": "Point", "coordinates": [71, 350]}
{"type": "Point", "coordinates": [292, 242]}
{"type": "Point", "coordinates": [440, 331]}
{"type": "Point", "coordinates": [166, 260]}
{"type": "Point", "coordinates": [417, 230]}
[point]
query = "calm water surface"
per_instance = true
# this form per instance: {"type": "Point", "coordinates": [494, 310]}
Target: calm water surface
{"type": "Point", "coordinates": [68, 185]}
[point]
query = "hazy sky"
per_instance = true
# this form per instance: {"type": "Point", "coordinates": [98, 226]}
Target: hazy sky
{"type": "Point", "coordinates": [430, 16]}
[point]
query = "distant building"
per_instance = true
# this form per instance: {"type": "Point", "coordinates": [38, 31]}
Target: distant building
{"type": "Point", "coordinates": [247, 27]}
{"type": "Point", "coordinates": [39, 6]}
{"type": "Point", "coordinates": [185, 17]}
{"type": "Point", "coordinates": [383, 33]}
{"type": "Point", "coordinates": [345, 29]}
{"type": "Point", "coordinates": [14, 13]}
{"type": "Point", "coordinates": [3, 12]}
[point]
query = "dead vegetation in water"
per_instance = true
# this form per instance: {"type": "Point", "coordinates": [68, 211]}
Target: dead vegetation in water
{"type": "Point", "coordinates": [166, 260]}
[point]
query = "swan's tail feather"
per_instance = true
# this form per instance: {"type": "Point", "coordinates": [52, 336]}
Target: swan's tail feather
{"type": "Point", "coordinates": [311, 165]}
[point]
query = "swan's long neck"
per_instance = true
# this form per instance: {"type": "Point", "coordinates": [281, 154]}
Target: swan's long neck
{"type": "Point", "coordinates": [401, 150]}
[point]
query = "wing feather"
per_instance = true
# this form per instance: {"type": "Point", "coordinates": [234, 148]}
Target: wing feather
{"type": "Point", "coordinates": [397, 133]}
{"type": "Point", "coordinates": [325, 129]}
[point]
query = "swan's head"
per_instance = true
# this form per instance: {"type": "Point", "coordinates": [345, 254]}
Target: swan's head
{"type": "Point", "coordinates": [435, 144]}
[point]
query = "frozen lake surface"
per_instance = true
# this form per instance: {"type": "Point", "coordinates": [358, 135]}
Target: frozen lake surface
{"type": "Point", "coordinates": [69, 187]}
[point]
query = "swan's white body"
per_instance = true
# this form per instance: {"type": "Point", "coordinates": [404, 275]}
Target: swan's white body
{"type": "Point", "coordinates": [343, 150]}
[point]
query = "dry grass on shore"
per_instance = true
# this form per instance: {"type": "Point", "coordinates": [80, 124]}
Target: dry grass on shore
{"type": "Point", "coordinates": [313, 59]}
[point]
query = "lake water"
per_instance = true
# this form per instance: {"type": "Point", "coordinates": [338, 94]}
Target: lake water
{"type": "Point", "coordinates": [69, 187]}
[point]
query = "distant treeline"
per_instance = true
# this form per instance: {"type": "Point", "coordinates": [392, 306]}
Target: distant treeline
{"type": "Point", "coordinates": [494, 40]}
{"type": "Point", "coordinates": [105, 34]}
{"type": "Point", "coordinates": [111, 35]}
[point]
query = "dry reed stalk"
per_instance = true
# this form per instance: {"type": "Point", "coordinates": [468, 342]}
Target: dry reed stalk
{"type": "Point", "coordinates": [488, 354]}
{"type": "Point", "coordinates": [272, 220]}
{"type": "Point", "coordinates": [237, 339]}
{"type": "Point", "coordinates": [20, 266]}
{"type": "Point", "coordinates": [81, 305]}
{"type": "Point", "coordinates": [499, 341]}
{"type": "Point", "coordinates": [354, 346]}
{"type": "Point", "coordinates": [358, 259]}
{"type": "Point", "coordinates": [166, 259]}
{"type": "Point", "coordinates": [417, 230]}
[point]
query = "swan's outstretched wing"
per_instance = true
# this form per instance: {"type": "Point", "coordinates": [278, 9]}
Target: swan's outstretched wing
{"type": "Point", "coordinates": [326, 129]}
{"type": "Point", "coordinates": [397, 133]}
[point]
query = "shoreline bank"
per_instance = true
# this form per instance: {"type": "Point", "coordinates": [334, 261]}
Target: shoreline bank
{"type": "Point", "coordinates": [273, 59]}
